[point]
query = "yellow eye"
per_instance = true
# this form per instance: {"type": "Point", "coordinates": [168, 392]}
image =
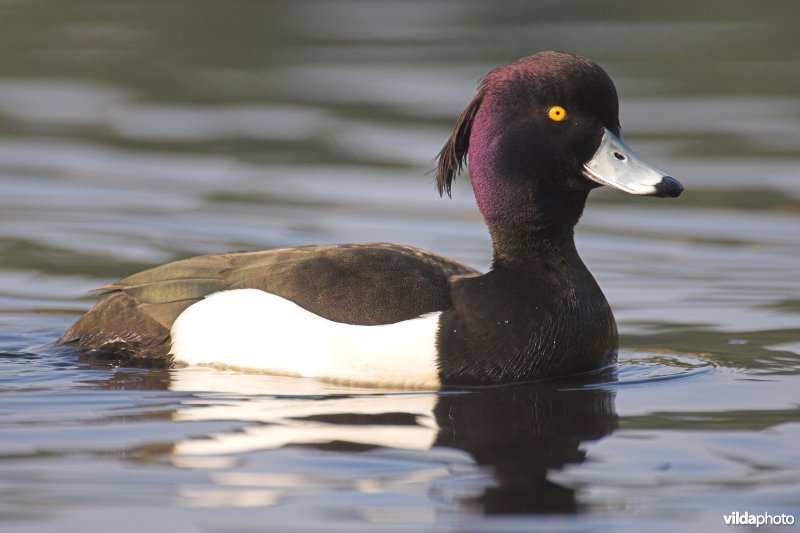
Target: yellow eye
{"type": "Point", "coordinates": [557, 113]}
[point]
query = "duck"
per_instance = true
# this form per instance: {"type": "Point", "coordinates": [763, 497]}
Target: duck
{"type": "Point", "coordinates": [538, 136]}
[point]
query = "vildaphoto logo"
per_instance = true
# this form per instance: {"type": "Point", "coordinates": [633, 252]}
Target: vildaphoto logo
{"type": "Point", "coordinates": [764, 519]}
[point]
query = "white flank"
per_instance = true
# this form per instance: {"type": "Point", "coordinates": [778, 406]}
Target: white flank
{"type": "Point", "coordinates": [253, 329]}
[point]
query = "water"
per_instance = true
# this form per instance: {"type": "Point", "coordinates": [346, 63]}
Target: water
{"type": "Point", "coordinates": [134, 134]}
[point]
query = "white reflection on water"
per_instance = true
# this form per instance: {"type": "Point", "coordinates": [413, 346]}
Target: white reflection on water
{"type": "Point", "coordinates": [768, 124]}
{"type": "Point", "coordinates": [162, 122]}
{"type": "Point", "coordinates": [292, 420]}
{"type": "Point", "coordinates": [59, 102]}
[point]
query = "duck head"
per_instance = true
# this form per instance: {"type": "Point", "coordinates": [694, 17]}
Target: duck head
{"type": "Point", "coordinates": [539, 135]}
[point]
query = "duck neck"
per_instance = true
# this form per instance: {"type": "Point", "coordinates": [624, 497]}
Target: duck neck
{"type": "Point", "coordinates": [539, 234]}
{"type": "Point", "coordinates": [519, 247]}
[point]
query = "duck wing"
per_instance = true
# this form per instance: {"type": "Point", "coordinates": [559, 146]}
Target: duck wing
{"type": "Point", "coordinates": [365, 284]}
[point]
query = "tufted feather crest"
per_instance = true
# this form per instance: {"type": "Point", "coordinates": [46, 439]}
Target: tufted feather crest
{"type": "Point", "coordinates": [453, 154]}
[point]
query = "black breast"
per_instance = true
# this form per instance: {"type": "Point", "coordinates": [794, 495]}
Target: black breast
{"type": "Point", "coordinates": [507, 326]}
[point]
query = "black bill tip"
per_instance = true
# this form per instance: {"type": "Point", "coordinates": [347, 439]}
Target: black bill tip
{"type": "Point", "coordinates": [668, 187]}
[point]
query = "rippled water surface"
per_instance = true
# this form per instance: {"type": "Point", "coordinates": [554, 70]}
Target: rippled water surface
{"type": "Point", "coordinates": [136, 133]}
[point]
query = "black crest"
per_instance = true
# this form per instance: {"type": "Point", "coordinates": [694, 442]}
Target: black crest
{"type": "Point", "coordinates": [453, 154]}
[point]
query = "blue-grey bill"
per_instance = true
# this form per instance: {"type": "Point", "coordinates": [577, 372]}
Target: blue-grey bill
{"type": "Point", "coordinates": [615, 164]}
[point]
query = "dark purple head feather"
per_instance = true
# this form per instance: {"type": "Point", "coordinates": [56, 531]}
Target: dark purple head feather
{"type": "Point", "coordinates": [525, 167]}
{"type": "Point", "coordinates": [556, 77]}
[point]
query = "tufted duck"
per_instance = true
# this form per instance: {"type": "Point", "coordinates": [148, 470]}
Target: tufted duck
{"type": "Point", "coordinates": [539, 135]}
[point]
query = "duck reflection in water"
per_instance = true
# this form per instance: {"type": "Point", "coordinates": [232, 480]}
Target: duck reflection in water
{"type": "Point", "coordinates": [522, 433]}
{"type": "Point", "coordinates": [516, 433]}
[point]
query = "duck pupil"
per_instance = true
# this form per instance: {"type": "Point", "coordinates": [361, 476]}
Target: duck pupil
{"type": "Point", "coordinates": [619, 156]}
